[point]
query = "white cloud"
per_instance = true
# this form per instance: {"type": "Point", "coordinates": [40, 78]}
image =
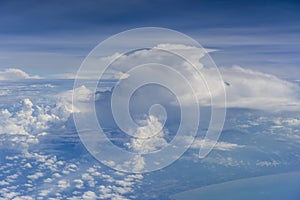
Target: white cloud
{"type": "Point", "coordinates": [10, 195]}
{"type": "Point", "coordinates": [26, 122]}
{"type": "Point", "coordinates": [114, 192]}
{"type": "Point", "coordinates": [244, 88]}
{"type": "Point", "coordinates": [23, 198]}
{"type": "Point", "coordinates": [28, 165]}
{"type": "Point", "coordinates": [78, 183]}
{"type": "Point", "coordinates": [64, 106]}
{"type": "Point", "coordinates": [15, 74]}
{"type": "Point", "coordinates": [149, 137]}
{"type": "Point", "coordinates": [35, 176]}
{"type": "Point", "coordinates": [3, 183]}
{"type": "Point", "coordinates": [71, 167]}
{"type": "Point", "coordinates": [23, 126]}
{"type": "Point", "coordinates": [272, 163]}
{"type": "Point", "coordinates": [122, 190]}
{"type": "Point", "coordinates": [63, 184]}
{"type": "Point", "coordinates": [105, 191]}
{"type": "Point", "coordinates": [90, 180]}
{"type": "Point", "coordinates": [287, 121]}
{"type": "Point", "coordinates": [48, 180]}
{"type": "Point", "coordinates": [89, 195]}
{"type": "Point", "coordinates": [12, 177]}
{"type": "Point", "coordinates": [191, 53]}
{"type": "Point", "coordinates": [3, 92]}
{"type": "Point", "coordinates": [44, 192]}
{"type": "Point", "coordinates": [124, 183]}
{"type": "Point", "coordinates": [64, 76]}
{"type": "Point", "coordinates": [225, 161]}
{"type": "Point", "coordinates": [222, 146]}
{"type": "Point", "coordinates": [253, 89]}
{"type": "Point", "coordinates": [292, 136]}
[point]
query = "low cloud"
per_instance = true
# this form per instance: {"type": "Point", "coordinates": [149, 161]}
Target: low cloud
{"type": "Point", "coordinates": [221, 146]}
{"type": "Point", "coordinates": [149, 137]}
{"type": "Point", "coordinates": [26, 122]}
{"type": "Point", "coordinates": [15, 74]}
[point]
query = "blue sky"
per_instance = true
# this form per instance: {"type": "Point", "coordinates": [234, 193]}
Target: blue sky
{"type": "Point", "coordinates": [54, 37]}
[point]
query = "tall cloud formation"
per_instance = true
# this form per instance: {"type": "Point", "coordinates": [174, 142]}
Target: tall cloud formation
{"type": "Point", "coordinates": [15, 74]}
{"type": "Point", "coordinates": [142, 143]}
{"type": "Point", "coordinates": [244, 88]}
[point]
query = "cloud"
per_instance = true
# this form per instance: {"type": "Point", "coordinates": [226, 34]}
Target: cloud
{"type": "Point", "coordinates": [149, 137]}
{"type": "Point", "coordinates": [191, 53]}
{"type": "Point", "coordinates": [183, 83]}
{"type": "Point", "coordinates": [63, 184]}
{"type": "Point", "coordinates": [272, 163]}
{"type": "Point", "coordinates": [64, 76]}
{"type": "Point", "coordinates": [79, 183]}
{"type": "Point", "coordinates": [252, 89]}
{"type": "Point", "coordinates": [244, 87]}
{"type": "Point", "coordinates": [226, 161]}
{"type": "Point", "coordinates": [15, 74]}
{"type": "Point", "coordinates": [3, 92]}
{"type": "Point", "coordinates": [87, 177]}
{"type": "Point", "coordinates": [35, 176]}
{"type": "Point", "coordinates": [22, 127]}
{"type": "Point", "coordinates": [287, 121]}
{"type": "Point", "coordinates": [109, 76]}
{"type": "Point", "coordinates": [24, 123]}
{"type": "Point", "coordinates": [222, 146]}
{"type": "Point", "coordinates": [89, 195]}
{"type": "Point", "coordinates": [64, 101]}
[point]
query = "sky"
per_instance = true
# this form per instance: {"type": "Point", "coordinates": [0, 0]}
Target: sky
{"type": "Point", "coordinates": [40, 38]}
{"type": "Point", "coordinates": [53, 37]}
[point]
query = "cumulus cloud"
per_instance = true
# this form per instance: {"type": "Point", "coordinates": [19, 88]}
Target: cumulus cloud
{"type": "Point", "coordinates": [79, 183]}
{"type": "Point", "coordinates": [149, 137]}
{"type": "Point", "coordinates": [22, 127]}
{"type": "Point", "coordinates": [186, 82]}
{"type": "Point", "coordinates": [89, 195]}
{"type": "Point", "coordinates": [35, 176]}
{"type": "Point", "coordinates": [190, 53]}
{"type": "Point", "coordinates": [23, 124]}
{"type": "Point", "coordinates": [63, 184]}
{"type": "Point", "coordinates": [287, 121]}
{"type": "Point", "coordinates": [244, 88]}
{"type": "Point", "coordinates": [272, 163]}
{"type": "Point", "coordinates": [15, 74]}
{"type": "Point", "coordinates": [64, 101]}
